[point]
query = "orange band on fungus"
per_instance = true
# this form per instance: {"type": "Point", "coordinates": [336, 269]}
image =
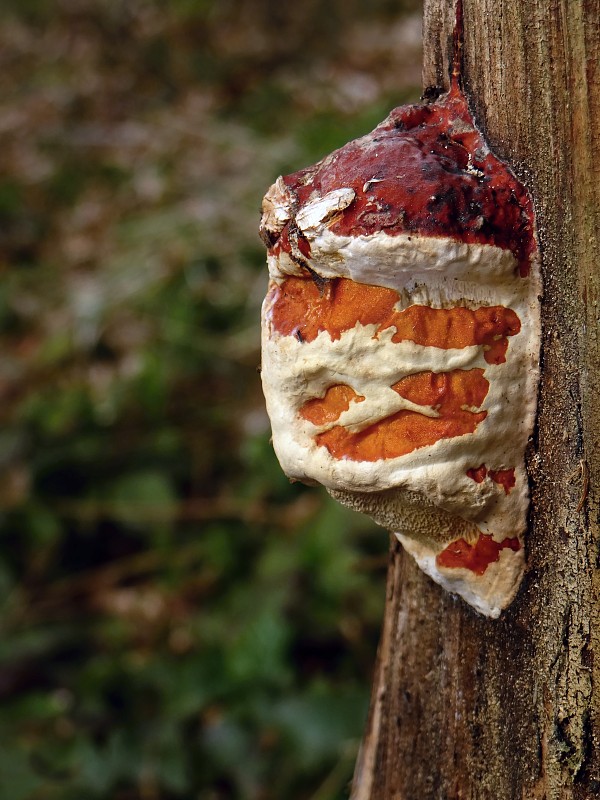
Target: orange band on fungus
{"type": "Point", "coordinates": [503, 477]}
{"type": "Point", "coordinates": [305, 308]}
{"type": "Point", "coordinates": [447, 392]}
{"type": "Point", "coordinates": [401, 433]}
{"type": "Point", "coordinates": [325, 409]}
{"type": "Point", "coordinates": [477, 474]}
{"type": "Point", "coordinates": [475, 557]}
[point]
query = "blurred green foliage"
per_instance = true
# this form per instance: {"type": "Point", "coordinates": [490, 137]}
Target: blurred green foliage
{"type": "Point", "coordinates": [176, 619]}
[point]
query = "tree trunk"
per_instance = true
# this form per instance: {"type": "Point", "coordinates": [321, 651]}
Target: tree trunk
{"type": "Point", "coordinates": [462, 706]}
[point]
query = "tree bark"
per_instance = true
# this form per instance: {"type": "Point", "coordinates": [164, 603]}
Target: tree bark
{"type": "Point", "coordinates": [462, 706]}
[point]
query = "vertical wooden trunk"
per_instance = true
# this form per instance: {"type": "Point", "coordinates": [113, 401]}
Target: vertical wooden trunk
{"type": "Point", "coordinates": [462, 706]}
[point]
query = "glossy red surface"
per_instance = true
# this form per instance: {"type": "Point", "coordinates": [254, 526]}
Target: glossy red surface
{"type": "Point", "coordinates": [427, 170]}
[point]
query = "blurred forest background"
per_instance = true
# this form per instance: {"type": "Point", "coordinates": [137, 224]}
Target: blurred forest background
{"type": "Point", "coordinates": [177, 620]}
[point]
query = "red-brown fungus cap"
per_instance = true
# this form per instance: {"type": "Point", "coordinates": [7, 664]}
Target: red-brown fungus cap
{"type": "Point", "coordinates": [425, 170]}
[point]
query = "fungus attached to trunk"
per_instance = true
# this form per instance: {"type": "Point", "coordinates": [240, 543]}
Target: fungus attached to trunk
{"type": "Point", "coordinates": [401, 337]}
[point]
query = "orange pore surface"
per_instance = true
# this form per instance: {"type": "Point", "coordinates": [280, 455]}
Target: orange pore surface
{"type": "Point", "coordinates": [475, 557]}
{"type": "Point", "coordinates": [305, 308]}
{"type": "Point", "coordinates": [325, 409]}
{"type": "Point", "coordinates": [451, 394]}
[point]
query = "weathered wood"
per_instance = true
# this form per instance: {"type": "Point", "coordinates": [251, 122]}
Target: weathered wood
{"type": "Point", "coordinates": [465, 707]}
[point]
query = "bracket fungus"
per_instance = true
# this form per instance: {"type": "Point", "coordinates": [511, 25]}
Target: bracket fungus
{"type": "Point", "coordinates": [401, 340]}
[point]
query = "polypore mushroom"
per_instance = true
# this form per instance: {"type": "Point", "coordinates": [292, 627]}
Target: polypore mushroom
{"type": "Point", "coordinates": [401, 338]}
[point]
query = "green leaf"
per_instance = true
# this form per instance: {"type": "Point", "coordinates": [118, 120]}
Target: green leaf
{"type": "Point", "coordinates": [138, 496]}
{"type": "Point", "coordinates": [18, 779]}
